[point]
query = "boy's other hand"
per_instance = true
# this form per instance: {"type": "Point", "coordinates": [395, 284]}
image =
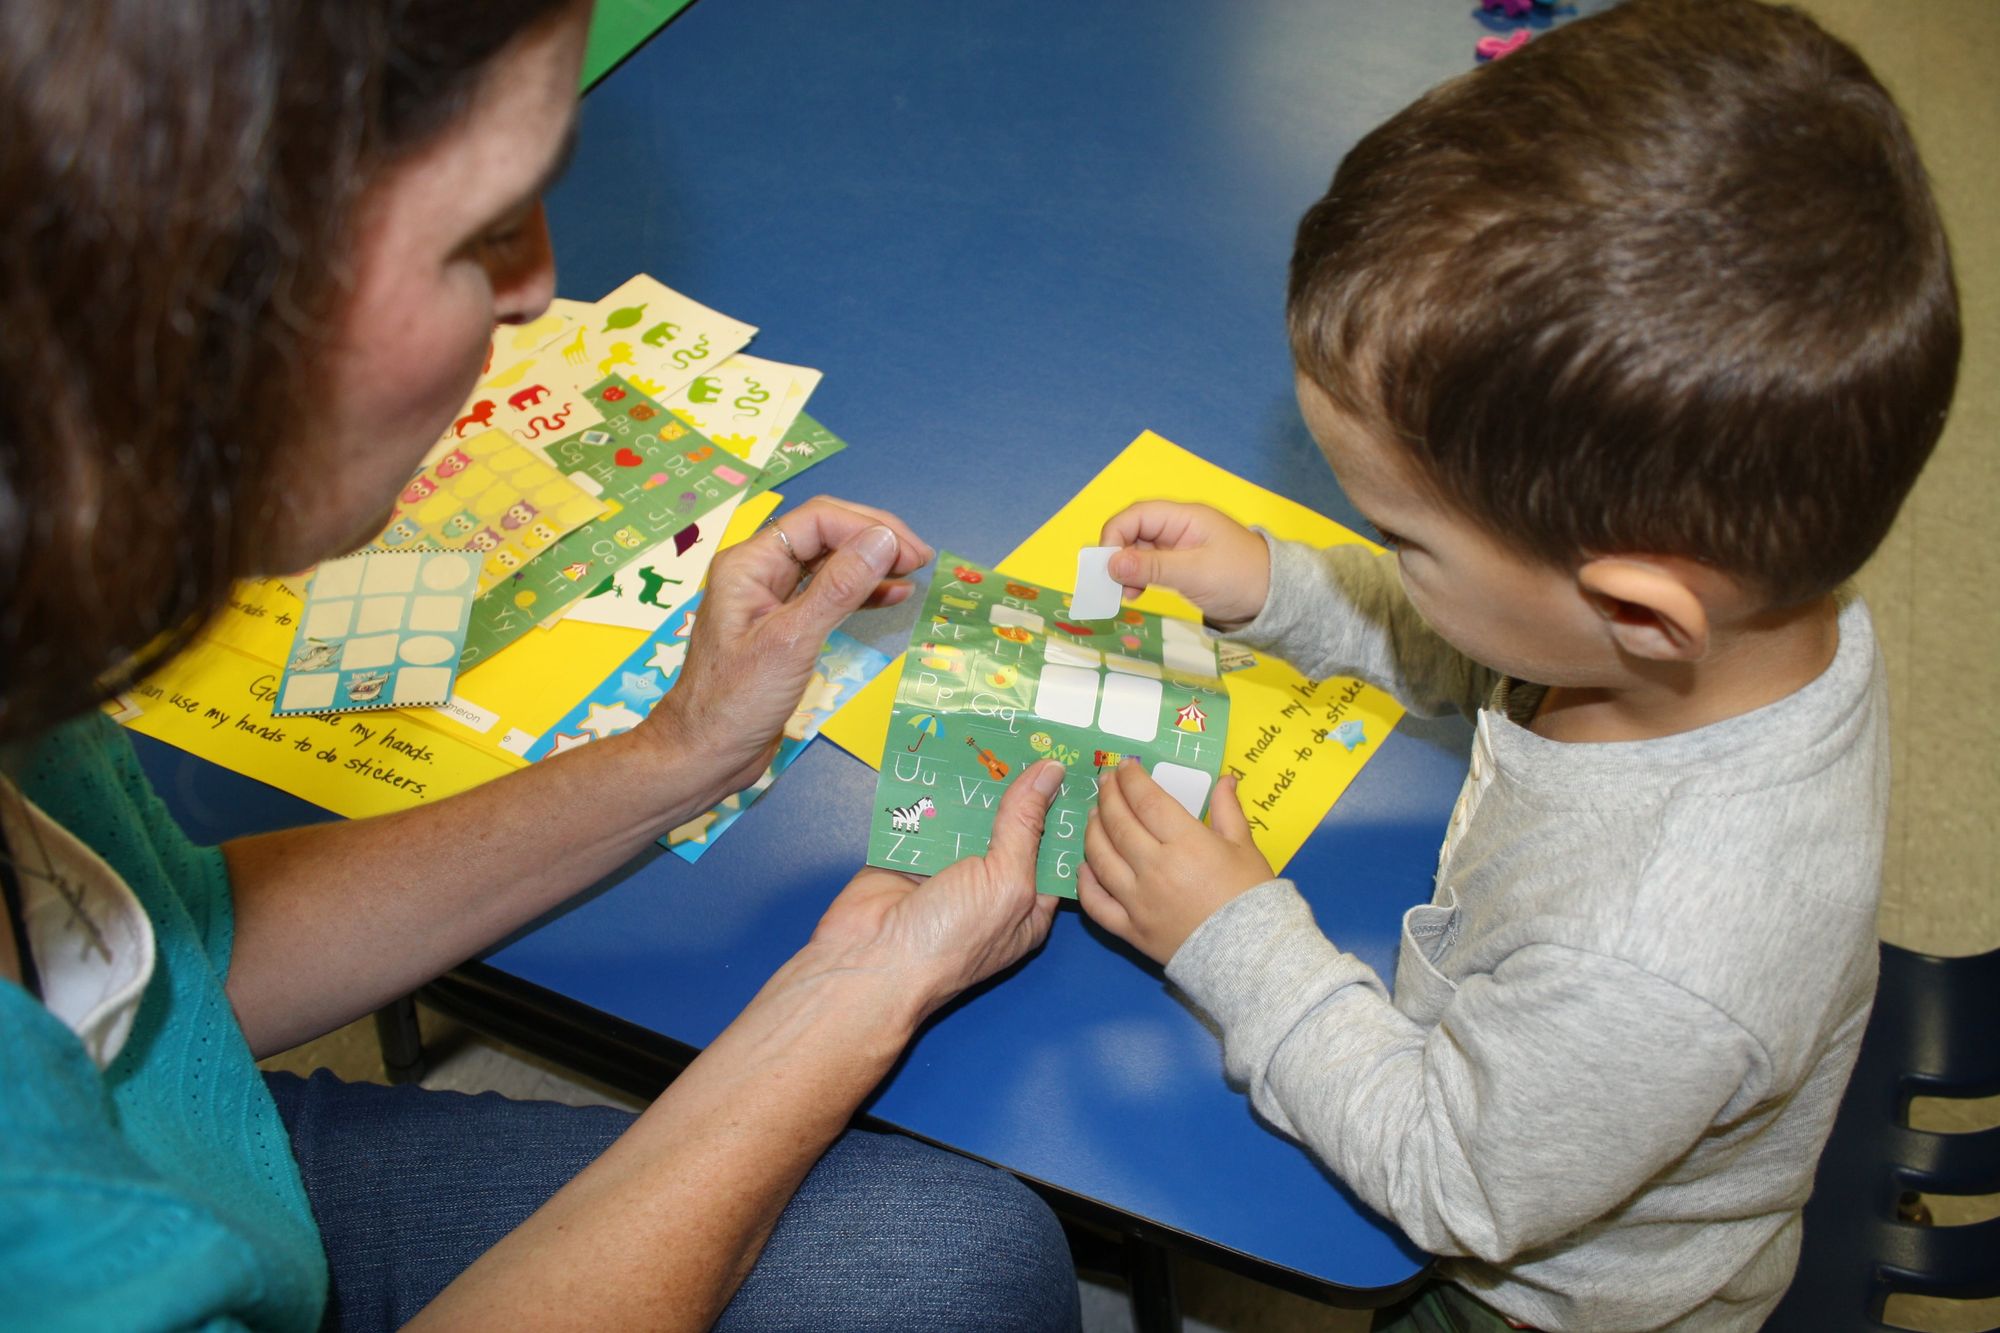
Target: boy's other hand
{"type": "Point", "coordinates": [1204, 555]}
{"type": "Point", "coordinates": [1153, 872]}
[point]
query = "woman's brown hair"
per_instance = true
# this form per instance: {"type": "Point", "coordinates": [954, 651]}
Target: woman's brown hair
{"type": "Point", "coordinates": [176, 184]}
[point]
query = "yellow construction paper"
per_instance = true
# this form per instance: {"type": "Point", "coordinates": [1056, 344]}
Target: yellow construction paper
{"type": "Point", "coordinates": [214, 700]}
{"type": "Point", "coordinates": [1290, 769]}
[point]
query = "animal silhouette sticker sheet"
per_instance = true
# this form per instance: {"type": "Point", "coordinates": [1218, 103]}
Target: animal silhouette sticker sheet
{"type": "Point", "coordinates": [654, 476]}
{"type": "Point", "coordinates": [491, 496]}
{"type": "Point", "coordinates": [745, 404]}
{"type": "Point", "coordinates": [997, 676]}
{"type": "Point", "coordinates": [646, 332]}
{"type": "Point", "coordinates": [379, 630]}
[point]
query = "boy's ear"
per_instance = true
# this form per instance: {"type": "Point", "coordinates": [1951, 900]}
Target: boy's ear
{"type": "Point", "coordinates": [1650, 606]}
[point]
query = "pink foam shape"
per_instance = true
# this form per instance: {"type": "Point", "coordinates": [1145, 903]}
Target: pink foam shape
{"type": "Point", "coordinates": [1493, 48]}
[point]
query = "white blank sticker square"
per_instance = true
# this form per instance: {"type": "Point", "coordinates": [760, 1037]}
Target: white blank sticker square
{"type": "Point", "coordinates": [361, 654]}
{"type": "Point", "coordinates": [1097, 595]}
{"type": "Point", "coordinates": [1066, 694]}
{"type": "Point", "coordinates": [1131, 707]}
{"type": "Point", "coordinates": [378, 614]}
{"type": "Point", "coordinates": [338, 578]}
{"type": "Point", "coordinates": [316, 691]}
{"type": "Point", "coordinates": [390, 573]}
{"type": "Point", "coordinates": [436, 612]}
{"type": "Point", "coordinates": [422, 685]}
{"type": "Point", "coordinates": [1014, 615]}
{"type": "Point", "coordinates": [328, 620]}
{"type": "Point", "coordinates": [1132, 666]}
{"type": "Point", "coordinates": [1186, 649]}
{"type": "Point", "coordinates": [1064, 653]}
{"type": "Point", "coordinates": [1187, 785]}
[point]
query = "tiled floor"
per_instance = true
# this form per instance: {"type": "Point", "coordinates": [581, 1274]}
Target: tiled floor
{"type": "Point", "coordinates": [1931, 591]}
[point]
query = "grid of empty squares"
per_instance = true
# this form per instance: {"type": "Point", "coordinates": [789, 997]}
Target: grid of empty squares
{"type": "Point", "coordinates": [380, 630]}
{"type": "Point", "coordinates": [1125, 700]}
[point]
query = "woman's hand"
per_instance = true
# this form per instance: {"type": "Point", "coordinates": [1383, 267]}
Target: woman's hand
{"type": "Point", "coordinates": [1204, 555]}
{"type": "Point", "coordinates": [754, 643]}
{"type": "Point", "coordinates": [963, 924]}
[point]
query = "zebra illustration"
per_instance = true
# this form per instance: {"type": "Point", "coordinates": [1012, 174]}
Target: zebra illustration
{"type": "Point", "coordinates": [907, 818]}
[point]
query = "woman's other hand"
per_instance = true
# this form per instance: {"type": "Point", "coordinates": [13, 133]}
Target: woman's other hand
{"type": "Point", "coordinates": [962, 925]}
{"type": "Point", "coordinates": [754, 643]}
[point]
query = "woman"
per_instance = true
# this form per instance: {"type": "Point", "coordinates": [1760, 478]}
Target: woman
{"type": "Point", "coordinates": [252, 254]}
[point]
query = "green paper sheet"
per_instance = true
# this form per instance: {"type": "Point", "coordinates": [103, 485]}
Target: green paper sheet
{"type": "Point", "coordinates": [658, 475]}
{"type": "Point", "coordinates": [995, 678]}
{"type": "Point", "coordinates": [620, 27]}
{"type": "Point", "coordinates": [805, 444]}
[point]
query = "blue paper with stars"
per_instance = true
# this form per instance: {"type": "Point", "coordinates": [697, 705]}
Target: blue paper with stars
{"type": "Point", "coordinates": [622, 700]}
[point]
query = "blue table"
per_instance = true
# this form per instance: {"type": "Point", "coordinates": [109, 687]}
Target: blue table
{"type": "Point", "coordinates": [1013, 236]}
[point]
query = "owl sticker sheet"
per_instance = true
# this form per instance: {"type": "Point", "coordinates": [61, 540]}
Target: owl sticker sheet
{"type": "Point", "coordinates": [490, 496]}
{"type": "Point", "coordinates": [379, 630]}
{"type": "Point", "coordinates": [998, 676]}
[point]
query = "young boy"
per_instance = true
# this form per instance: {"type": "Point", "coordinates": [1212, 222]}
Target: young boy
{"type": "Point", "coordinates": [1630, 345]}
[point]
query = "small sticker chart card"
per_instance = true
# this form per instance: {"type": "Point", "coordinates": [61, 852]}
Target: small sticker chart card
{"type": "Point", "coordinates": [998, 676]}
{"type": "Point", "coordinates": [379, 630]}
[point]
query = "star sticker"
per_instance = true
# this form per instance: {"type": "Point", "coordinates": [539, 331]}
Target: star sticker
{"type": "Point", "coordinates": [606, 722]}
{"type": "Point", "coordinates": [565, 741]}
{"type": "Point", "coordinates": [695, 830]}
{"type": "Point", "coordinates": [667, 658]}
{"type": "Point", "coordinates": [639, 687]}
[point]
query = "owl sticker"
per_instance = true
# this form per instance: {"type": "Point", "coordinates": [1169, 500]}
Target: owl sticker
{"type": "Point", "coordinates": [457, 526]}
{"type": "Point", "coordinates": [400, 533]}
{"type": "Point", "coordinates": [629, 538]}
{"type": "Point", "coordinates": [453, 463]}
{"type": "Point", "coordinates": [419, 490]}
{"type": "Point", "coordinates": [502, 563]}
{"type": "Point", "coordinates": [517, 516]}
{"type": "Point", "coordinates": [486, 539]}
{"type": "Point", "coordinates": [538, 535]}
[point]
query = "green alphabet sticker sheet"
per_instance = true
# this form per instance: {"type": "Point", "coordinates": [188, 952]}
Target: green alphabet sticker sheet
{"type": "Point", "coordinates": [996, 677]}
{"type": "Point", "coordinates": [654, 475]}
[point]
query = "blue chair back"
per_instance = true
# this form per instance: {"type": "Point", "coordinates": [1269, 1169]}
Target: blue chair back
{"type": "Point", "coordinates": [1935, 1031]}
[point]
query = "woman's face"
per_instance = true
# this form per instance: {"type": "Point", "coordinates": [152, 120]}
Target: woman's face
{"type": "Point", "coordinates": [450, 241]}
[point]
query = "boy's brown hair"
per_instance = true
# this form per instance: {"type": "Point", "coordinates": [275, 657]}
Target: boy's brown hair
{"type": "Point", "coordinates": [1669, 280]}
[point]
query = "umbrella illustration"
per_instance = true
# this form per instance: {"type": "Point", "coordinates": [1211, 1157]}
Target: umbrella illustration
{"type": "Point", "coordinates": [926, 724]}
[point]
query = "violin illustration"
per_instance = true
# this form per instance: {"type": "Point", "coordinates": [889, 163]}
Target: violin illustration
{"type": "Point", "coordinates": [995, 768]}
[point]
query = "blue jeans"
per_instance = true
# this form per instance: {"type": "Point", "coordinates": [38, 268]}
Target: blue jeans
{"type": "Point", "coordinates": [409, 1186]}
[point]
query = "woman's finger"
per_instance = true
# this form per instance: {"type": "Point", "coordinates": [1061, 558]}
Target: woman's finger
{"type": "Point", "coordinates": [842, 584]}
{"type": "Point", "coordinates": [822, 525]}
{"type": "Point", "coordinates": [1017, 824]}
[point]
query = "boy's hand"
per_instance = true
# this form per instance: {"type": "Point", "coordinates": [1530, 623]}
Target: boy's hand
{"type": "Point", "coordinates": [1153, 872]}
{"type": "Point", "coordinates": [1202, 554]}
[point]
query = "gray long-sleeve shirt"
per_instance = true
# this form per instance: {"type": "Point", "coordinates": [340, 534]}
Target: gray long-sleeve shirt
{"type": "Point", "coordinates": [1622, 1026]}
